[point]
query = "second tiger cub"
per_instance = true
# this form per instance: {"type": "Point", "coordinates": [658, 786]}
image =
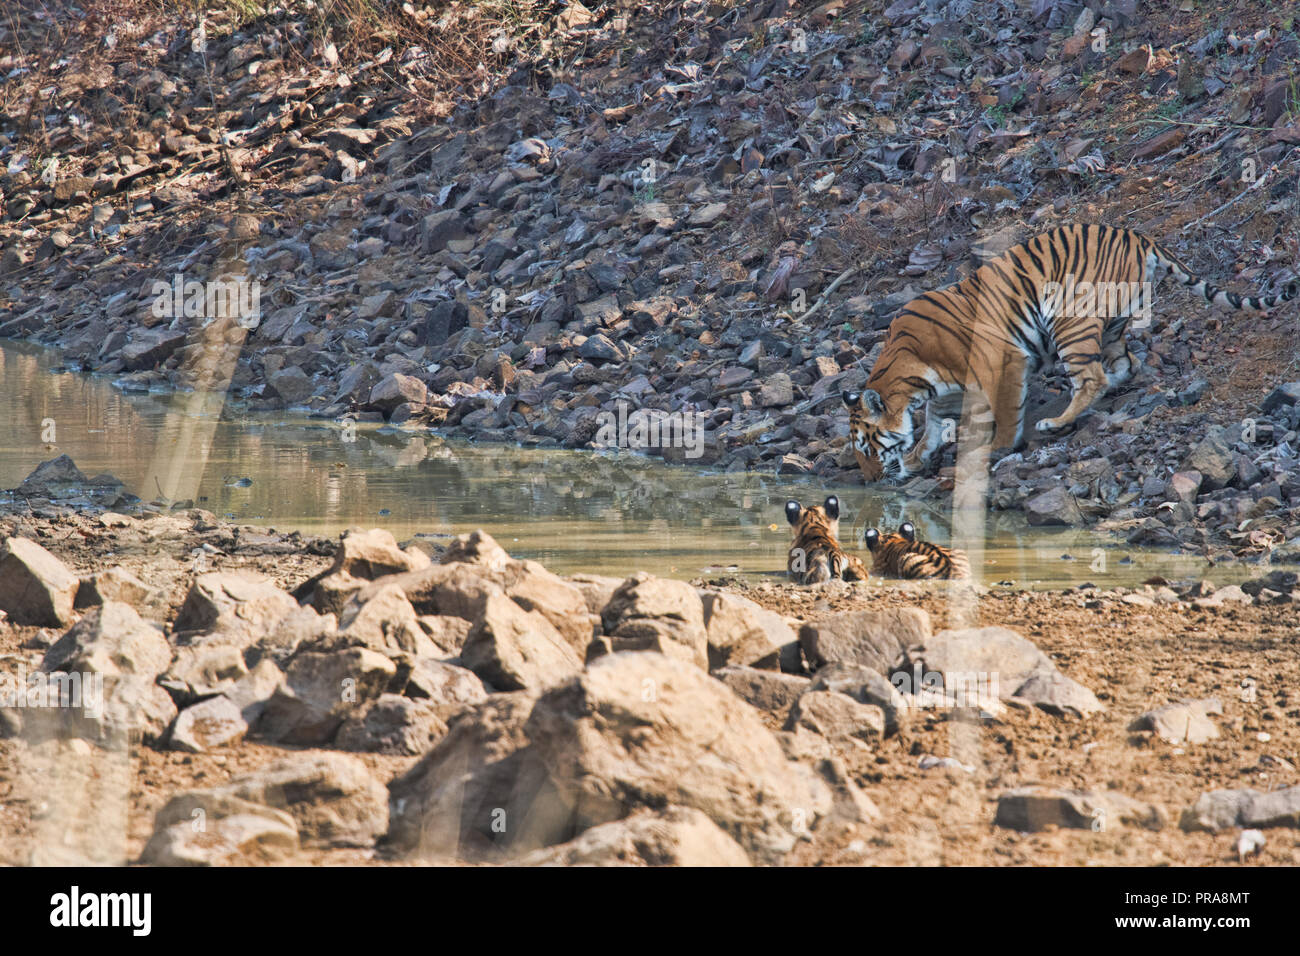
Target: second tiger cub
{"type": "Point", "coordinates": [902, 556]}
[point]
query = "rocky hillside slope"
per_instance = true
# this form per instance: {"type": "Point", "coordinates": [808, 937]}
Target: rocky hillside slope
{"type": "Point", "coordinates": [502, 219]}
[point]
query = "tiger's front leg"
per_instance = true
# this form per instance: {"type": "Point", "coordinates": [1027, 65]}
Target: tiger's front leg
{"type": "Point", "coordinates": [918, 459]}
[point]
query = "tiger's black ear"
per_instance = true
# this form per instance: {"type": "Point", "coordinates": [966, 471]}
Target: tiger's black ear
{"type": "Point", "coordinates": [850, 399]}
{"type": "Point", "coordinates": [832, 506]}
{"type": "Point", "coordinates": [873, 403]}
{"type": "Point", "coordinates": [907, 531]}
{"type": "Point", "coordinates": [873, 538]}
{"type": "Point", "coordinates": [792, 511]}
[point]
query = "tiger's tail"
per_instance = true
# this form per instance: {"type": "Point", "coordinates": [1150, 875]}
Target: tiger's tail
{"type": "Point", "coordinates": [1216, 296]}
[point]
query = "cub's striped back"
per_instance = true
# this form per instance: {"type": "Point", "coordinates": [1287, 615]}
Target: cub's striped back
{"type": "Point", "coordinates": [902, 556]}
{"type": "Point", "coordinates": [815, 554]}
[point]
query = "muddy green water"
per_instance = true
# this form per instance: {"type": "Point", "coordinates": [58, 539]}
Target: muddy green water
{"type": "Point", "coordinates": [575, 511]}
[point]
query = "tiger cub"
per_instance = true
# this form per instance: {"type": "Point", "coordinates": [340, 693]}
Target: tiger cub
{"type": "Point", "coordinates": [902, 556]}
{"type": "Point", "coordinates": [1067, 294]}
{"type": "Point", "coordinates": [815, 553]}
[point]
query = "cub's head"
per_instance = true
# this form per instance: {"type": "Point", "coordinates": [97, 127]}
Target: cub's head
{"type": "Point", "coordinates": [824, 518]}
{"type": "Point", "coordinates": [906, 535]}
{"type": "Point", "coordinates": [880, 434]}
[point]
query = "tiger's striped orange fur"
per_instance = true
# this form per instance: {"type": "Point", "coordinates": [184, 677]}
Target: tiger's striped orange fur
{"type": "Point", "coordinates": [815, 554]}
{"type": "Point", "coordinates": [902, 556]}
{"type": "Point", "coordinates": [1067, 294]}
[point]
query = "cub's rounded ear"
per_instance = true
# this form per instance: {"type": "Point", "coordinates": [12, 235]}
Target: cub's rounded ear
{"type": "Point", "coordinates": [792, 511]}
{"type": "Point", "coordinates": [873, 538]}
{"type": "Point", "coordinates": [832, 506]}
{"type": "Point", "coordinates": [907, 531]}
{"type": "Point", "coordinates": [850, 399]}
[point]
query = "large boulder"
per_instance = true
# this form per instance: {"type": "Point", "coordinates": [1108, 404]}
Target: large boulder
{"type": "Point", "coordinates": [320, 691]}
{"type": "Point", "coordinates": [331, 799]}
{"type": "Point", "coordinates": [1223, 809]}
{"type": "Point", "coordinates": [111, 639]}
{"type": "Point", "coordinates": [658, 614]}
{"type": "Point", "coordinates": [231, 607]}
{"type": "Point", "coordinates": [36, 588]}
{"type": "Point", "coordinates": [743, 634]}
{"type": "Point", "coordinates": [448, 688]}
{"type": "Point", "coordinates": [392, 724]}
{"type": "Point", "coordinates": [514, 649]}
{"type": "Point", "coordinates": [837, 717]}
{"type": "Point", "coordinates": [469, 795]}
{"type": "Point", "coordinates": [111, 584]}
{"type": "Point", "coordinates": [385, 622]}
{"type": "Point", "coordinates": [648, 730]}
{"type": "Point", "coordinates": [633, 731]}
{"type": "Point", "coordinates": [193, 831]}
{"type": "Point", "coordinates": [362, 556]}
{"type": "Point", "coordinates": [1054, 506]}
{"type": "Point", "coordinates": [1213, 458]}
{"type": "Point", "coordinates": [764, 689]}
{"type": "Point", "coordinates": [1034, 808]}
{"type": "Point", "coordinates": [98, 683]}
{"type": "Point", "coordinates": [873, 638]}
{"type": "Point", "coordinates": [680, 836]}
{"type": "Point", "coordinates": [974, 663]}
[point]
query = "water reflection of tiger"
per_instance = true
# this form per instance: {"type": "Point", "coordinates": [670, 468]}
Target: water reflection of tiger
{"type": "Point", "coordinates": [815, 554]}
{"type": "Point", "coordinates": [902, 556]}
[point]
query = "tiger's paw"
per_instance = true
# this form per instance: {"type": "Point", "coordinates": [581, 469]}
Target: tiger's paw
{"type": "Point", "coordinates": [1045, 425]}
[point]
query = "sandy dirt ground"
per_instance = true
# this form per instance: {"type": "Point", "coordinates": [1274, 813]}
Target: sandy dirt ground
{"type": "Point", "coordinates": [1133, 657]}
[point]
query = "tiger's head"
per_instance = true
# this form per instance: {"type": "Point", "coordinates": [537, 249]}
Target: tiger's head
{"type": "Point", "coordinates": [878, 433]}
{"type": "Point", "coordinates": [824, 517]}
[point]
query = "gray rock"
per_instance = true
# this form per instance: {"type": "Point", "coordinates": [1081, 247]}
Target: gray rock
{"type": "Point", "coordinates": [1185, 722]}
{"type": "Point", "coordinates": [231, 607]}
{"type": "Point", "coordinates": [439, 228]}
{"type": "Point", "coordinates": [741, 633]}
{"type": "Point", "coordinates": [392, 724]}
{"type": "Point", "coordinates": [36, 588]}
{"type": "Point", "coordinates": [765, 689]}
{"type": "Point", "coordinates": [398, 389]}
{"type": "Point", "coordinates": [332, 799]}
{"type": "Point", "coordinates": [291, 385]}
{"type": "Point", "coordinates": [633, 731]}
{"type": "Point", "coordinates": [1055, 506]}
{"type": "Point", "coordinates": [1222, 809]}
{"type": "Point", "coordinates": [1283, 396]}
{"type": "Point", "coordinates": [1031, 809]}
{"type": "Point", "coordinates": [514, 649]}
{"type": "Point", "coordinates": [215, 722]}
{"type": "Point", "coordinates": [679, 836]}
{"type": "Point", "coordinates": [448, 688]}
{"type": "Point", "coordinates": [837, 717]}
{"type": "Point", "coordinates": [111, 639]}
{"type": "Point", "coordinates": [873, 638]}
{"type": "Point", "coordinates": [657, 614]}
{"type": "Point", "coordinates": [384, 622]}
{"type": "Point", "coordinates": [999, 661]}
{"type": "Point", "coordinates": [245, 834]}
{"type": "Point", "coordinates": [1213, 458]}
{"type": "Point", "coordinates": [865, 685]}
{"type": "Point", "coordinates": [599, 347]}
{"type": "Point", "coordinates": [112, 584]}
{"type": "Point", "coordinates": [320, 691]}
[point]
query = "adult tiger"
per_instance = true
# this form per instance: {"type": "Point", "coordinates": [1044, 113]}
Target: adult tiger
{"type": "Point", "coordinates": [1068, 294]}
{"type": "Point", "coordinates": [902, 556]}
{"type": "Point", "coordinates": [815, 554]}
